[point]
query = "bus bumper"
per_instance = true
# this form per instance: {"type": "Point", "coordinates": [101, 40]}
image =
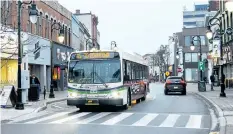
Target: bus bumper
{"type": "Point", "coordinates": [83, 102]}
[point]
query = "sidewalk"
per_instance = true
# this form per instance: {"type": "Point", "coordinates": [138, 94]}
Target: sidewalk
{"type": "Point", "coordinates": [9, 113]}
{"type": "Point", "coordinates": [223, 107]}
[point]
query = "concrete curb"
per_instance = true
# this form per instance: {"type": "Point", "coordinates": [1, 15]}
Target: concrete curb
{"type": "Point", "coordinates": [218, 112]}
{"type": "Point", "coordinates": [44, 106]}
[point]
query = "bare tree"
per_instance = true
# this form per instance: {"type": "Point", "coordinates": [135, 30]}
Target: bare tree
{"type": "Point", "coordinates": [8, 35]}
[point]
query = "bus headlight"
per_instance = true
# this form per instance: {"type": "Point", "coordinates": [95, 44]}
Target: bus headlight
{"type": "Point", "coordinates": [73, 94]}
{"type": "Point", "coordinates": [115, 94]}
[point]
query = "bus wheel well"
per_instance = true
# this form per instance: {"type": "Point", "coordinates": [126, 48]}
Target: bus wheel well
{"type": "Point", "coordinates": [129, 92]}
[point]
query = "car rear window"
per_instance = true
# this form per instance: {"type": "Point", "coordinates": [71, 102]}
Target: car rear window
{"type": "Point", "coordinates": [175, 79]}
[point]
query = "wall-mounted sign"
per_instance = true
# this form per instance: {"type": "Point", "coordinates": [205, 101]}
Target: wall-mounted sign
{"type": "Point", "coordinates": [37, 50]}
{"type": "Point", "coordinates": [216, 49]}
{"type": "Point", "coordinates": [60, 53]}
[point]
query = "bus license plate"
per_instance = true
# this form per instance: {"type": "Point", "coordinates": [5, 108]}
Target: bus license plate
{"type": "Point", "coordinates": [175, 87]}
{"type": "Point", "coordinates": [92, 102]}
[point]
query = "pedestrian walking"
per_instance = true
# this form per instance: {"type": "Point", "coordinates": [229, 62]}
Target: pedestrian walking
{"type": "Point", "coordinates": [212, 79]}
{"type": "Point", "coordinates": [35, 80]}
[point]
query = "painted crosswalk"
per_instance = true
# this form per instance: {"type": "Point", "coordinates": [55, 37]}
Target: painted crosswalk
{"type": "Point", "coordinates": [123, 118]}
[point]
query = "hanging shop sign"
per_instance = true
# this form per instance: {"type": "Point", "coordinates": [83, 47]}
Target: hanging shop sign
{"type": "Point", "coordinates": [216, 49]}
{"type": "Point", "coordinates": [227, 54]}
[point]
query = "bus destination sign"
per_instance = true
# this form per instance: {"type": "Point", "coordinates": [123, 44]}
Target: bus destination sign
{"type": "Point", "coordinates": [94, 55]}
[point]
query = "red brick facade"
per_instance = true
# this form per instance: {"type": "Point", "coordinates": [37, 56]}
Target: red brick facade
{"type": "Point", "coordinates": [48, 11]}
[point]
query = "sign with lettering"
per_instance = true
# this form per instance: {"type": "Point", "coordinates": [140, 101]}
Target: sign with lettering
{"type": "Point", "coordinates": [8, 96]}
{"type": "Point", "coordinates": [94, 55]}
{"type": "Point", "coordinates": [60, 53]}
{"type": "Point", "coordinates": [37, 50]}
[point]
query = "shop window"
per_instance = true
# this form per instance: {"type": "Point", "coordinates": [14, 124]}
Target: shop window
{"type": "Point", "coordinates": [187, 40]}
{"type": "Point", "coordinates": [194, 57]}
{"type": "Point", "coordinates": [188, 57]}
{"type": "Point", "coordinates": [56, 73]}
{"type": "Point", "coordinates": [203, 40]}
{"type": "Point", "coordinates": [191, 74]}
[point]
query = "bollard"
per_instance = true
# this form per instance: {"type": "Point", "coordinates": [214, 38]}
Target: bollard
{"type": "Point", "coordinates": [44, 92]}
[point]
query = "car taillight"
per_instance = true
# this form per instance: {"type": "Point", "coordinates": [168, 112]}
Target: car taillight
{"type": "Point", "coordinates": [168, 82]}
{"type": "Point", "coordinates": [183, 82]}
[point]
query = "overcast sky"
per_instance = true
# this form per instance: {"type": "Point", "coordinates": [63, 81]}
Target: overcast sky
{"type": "Point", "coordinates": [136, 25]}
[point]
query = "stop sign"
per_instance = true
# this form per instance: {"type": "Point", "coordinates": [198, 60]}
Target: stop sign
{"type": "Point", "coordinates": [179, 69]}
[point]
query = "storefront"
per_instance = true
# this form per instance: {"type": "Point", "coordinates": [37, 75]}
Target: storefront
{"type": "Point", "coordinates": [60, 55]}
{"type": "Point", "coordinates": [38, 59]}
{"type": "Point", "coordinates": [228, 64]}
{"type": "Point", "coordinates": [9, 68]}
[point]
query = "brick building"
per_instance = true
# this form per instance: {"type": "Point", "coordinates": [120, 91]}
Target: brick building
{"type": "Point", "coordinates": [49, 12]}
{"type": "Point", "coordinates": [214, 5]}
{"type": "Point", "coordinates": [91, 22]}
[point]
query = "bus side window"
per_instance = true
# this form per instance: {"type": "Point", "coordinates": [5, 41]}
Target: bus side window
{"type": "Point", "coordinates": [128, 71]}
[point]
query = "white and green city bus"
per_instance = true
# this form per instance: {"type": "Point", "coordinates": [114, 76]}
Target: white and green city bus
{"type": "Point", "coordinates": [110, 78]}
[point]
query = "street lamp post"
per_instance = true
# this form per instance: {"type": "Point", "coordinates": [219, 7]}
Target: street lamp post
{"type": "Point", "coordinates": [33, 18]}
{"type": "Point", "coordinates": [220, 32]}
{"type": "Point", "coordinates": [61, 39]}
{"type": "Point", "coordinates": [87, 42]}
{"type": "Point", "coordinates": [178, 57]}
{"type": "Point", "coordinates": [113, 43]}
{"type": "Point", "coordinates": [192, 47]}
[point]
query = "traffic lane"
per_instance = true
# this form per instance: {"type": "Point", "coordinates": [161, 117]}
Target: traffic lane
{"type": "Point", "coordinates": [93, 128]}
{"type": "Point", "coordinates": [177, 103]}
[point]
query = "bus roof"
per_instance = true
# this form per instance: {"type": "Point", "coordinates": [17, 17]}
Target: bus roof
{"type": "Point", "coordinates": [134, 57]}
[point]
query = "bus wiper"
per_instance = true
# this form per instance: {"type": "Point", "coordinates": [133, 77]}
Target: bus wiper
{"type": "Point", "coordinates": [102, 81]}
{"type": "Point", "coordinates": [85, 80]}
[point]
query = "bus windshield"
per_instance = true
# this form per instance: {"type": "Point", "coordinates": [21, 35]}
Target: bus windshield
{"type": "Point", "coordinates": [94, 71]}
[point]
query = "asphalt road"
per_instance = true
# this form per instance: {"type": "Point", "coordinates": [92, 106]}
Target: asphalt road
{"type": "Point", "coordinates": [159, 114]}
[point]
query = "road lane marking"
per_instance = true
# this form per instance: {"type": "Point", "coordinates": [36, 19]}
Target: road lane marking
{"type": "Point", "coordinates": [214, 120]}
{"type": "Point", "coordinates": [93, 118]}
{"type": "Point", "coordinates": [47, 118]}
{"type": "Point", "coordinates": [145, 120]}
{"type": "Point", "coordinates": [117, 119]}
{"type": "Point", "coordinates": [56, 106]}
{"type": "Point", "coordinates": [170, 120]}
{"type": "Point", "coordinates": [70, 118]}
{"type": "Point", "coordinates": [148, 126]}
{"type": "Point", "coordinates": [194, 121]}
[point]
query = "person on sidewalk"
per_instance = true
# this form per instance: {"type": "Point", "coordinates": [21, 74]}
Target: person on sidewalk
{"type": "Point", "coordinates": [212, 79]}
{"type": "Point", "coordinates": [35, 80]}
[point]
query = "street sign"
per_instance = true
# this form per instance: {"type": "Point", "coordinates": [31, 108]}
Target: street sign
{"type": "Point", "coordinates": [167, 73]}
{"type": "Point", "coordinates": [201, 65]}
{"type": "Point", "coordinates": [179, 69]}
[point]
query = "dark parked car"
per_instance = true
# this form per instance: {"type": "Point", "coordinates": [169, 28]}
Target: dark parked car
{"type": "Point", "coordinates": [175, 84]}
